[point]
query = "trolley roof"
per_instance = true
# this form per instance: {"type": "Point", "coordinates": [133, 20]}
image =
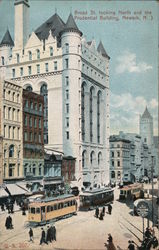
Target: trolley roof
{"type": "Point", "coordinates": [96, 191]}
{"type": "Point", "coordinates": [132, 186]}
{"type": "Point", "coordinates": [51, 200]}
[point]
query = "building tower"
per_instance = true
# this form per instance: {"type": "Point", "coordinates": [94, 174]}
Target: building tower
{"type": "Point", "coordinates": [21, 28]}
{"type": "Point", "coordinates": [146, 127]}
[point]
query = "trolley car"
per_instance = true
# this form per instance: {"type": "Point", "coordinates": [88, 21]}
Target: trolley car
{"type": "Point", "coordinates": [133, 191]}
{"type": "Point", "coordinates": [91, 198]}
{"type": "Point", "coordinates": [51, 209]}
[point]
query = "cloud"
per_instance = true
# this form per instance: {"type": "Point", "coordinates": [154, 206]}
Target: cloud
{"type": "Point", "coordinates": [125, 110]}
{"type": "Point", "coordinates": [127, 63]}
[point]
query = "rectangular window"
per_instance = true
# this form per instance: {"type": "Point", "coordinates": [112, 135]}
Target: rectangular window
{"type": "Point", "coordinates": [67, 81]}
{"type": "Point", "coordinates": [38, 68]}
{"type": "Point", "coordinates": [9, 132]}
{"type": "Point", "coordinates": [30, 121]}
{"type": "Point", "coordinates": [25, 136]}
{"type": "Point", "coordinates": [39, 171]}
{"type": "Point", "coordinates": [66, 63]}
{"type": "Point", "coordinates": [39, 137]}
{"type": "Point", "coordinates": [112, 154]}
{"type": "Point", "coordinates": [36, 106]}
{"type": "Point", "coordinates": [67, 135]}
{"type": "Point", "coordinates": [21, 71]}
{"type": "Point", "coordinates": [35, 122]}
{"type": "Point", "coordinates": [31, 104]}
{"type": "Point", "coordinates": [67, 94]}
{"type": "Point", "coordinates": [13, 72]}
{"type": "Point", "coordinates": [118, 153]}
{"type": "Point", "coordinates": [67, 108]}
{"type": "Point", "coordinates": [26, 104]}
{"type": "Point", "coordinates": [55, 65]}
{"type": "Point", "coordinates": [31, 136]}
{"type": "Point", "coordinates": [35, 137]}
{"type": "Point", "coordinates": [39, 123]}
{"type": "Point", "coordinates": [113, 163]}
{"type": "Point", "coordinates": [46, 67]}
{"type": "Point", "coordinates": [67, 122]}
{"type": "Point", "coordinates": [25, 120]}
{"type": "Point", "coordinates": [18, 135]}
{"type": "Point", "coordinates": [29, 70]}
{"type": "Point", "coordinates": [17, 58]}
{"type": "Point", "coordinates": [118, 163]}
{"type": "Point", "coordinates": [40, 107]}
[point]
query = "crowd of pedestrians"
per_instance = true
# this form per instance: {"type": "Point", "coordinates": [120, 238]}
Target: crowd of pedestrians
{"type": "Point", "coordinates": [49, 235]}
{"type": "Point", "coordinates": [100, 214]}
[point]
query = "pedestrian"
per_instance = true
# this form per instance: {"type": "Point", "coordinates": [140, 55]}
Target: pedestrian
{"type": "Point", "coordinates": [12, 208]}
{"type": "Point", "coordinates": [103, 211]}
{"type": "Point", "coordinates": [43, 239]}
{"type": "Point", "coordinates": [110, 245]}
{"type": "Point", "coordinates": [101, 215]}
{"type": "Point", "coordinates": [97, 212]}
{"type": "Point", "coordinates": [109, 208]}
{"type": "Point", "coordinates": [10, 222]}
{"type": "Point", "coordinates": [31, 234]}
{"type": "Point", "coordinates": [23, 210]}
{"type": "Point", "coordinates": [48, 238]}
{"type": "Point", "coordinates": [131, 245]}
{"type": "Point", "coordinates": [2, 207]}
{"type": "Point", "coordinates": [147, 233]}
{"type": "Point", "coordinates": [7, 223]}
{"type": "Point", "coordinates": [54, 232]}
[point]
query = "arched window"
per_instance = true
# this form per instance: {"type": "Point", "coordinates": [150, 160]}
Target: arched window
{"type": "Point", "coordinates": [84, 159]}
{"type": "Point", "coordinates": [29, 88]}
{"type": "Point", "coordinates": [44, 92]}
{"type": "Point", "coordinates": [99, 158]}
{"type": "Point", "coordinates": [11, 151]}
{"type": "Point", "coordinates": [38, 54]}
{"type": "Point", "coordinates": [30, 55]}
{"type": "Point", "coordinates": [92, 157]}
{"type": "Point", "coordinates": [91, 114]}
{"type": "Point", "coordinates": [113, 174]}
{"type": "Point", "coordinates": [51, 51]}
{"type": "Point", "coordinates": [83, 110]}
{"type": "Point", "coordinates": [67, 47]}
{"type": "Point", "coordinates": [98, 115]}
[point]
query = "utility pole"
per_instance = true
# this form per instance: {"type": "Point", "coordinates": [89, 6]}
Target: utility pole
{"type": "Point", "coordinates": [152, 158]}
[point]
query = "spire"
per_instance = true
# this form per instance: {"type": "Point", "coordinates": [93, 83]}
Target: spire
{"type": "Point", "coordinates": [101, 49]}
{"type": "Point", "coordinates": [71, 25]}
{"type": "Point", "coordinates": [146, 114]}
{"type": "Point", "coordinates": [7, 39]}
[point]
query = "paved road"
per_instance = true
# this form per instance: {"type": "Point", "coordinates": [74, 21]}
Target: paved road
{"type": "Point", "coordinates": [83, 231]}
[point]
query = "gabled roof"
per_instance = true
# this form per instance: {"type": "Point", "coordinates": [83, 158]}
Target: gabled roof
{"type": "Point", "coordinates": [101, 49]}
{"type": "Point", "coordinates": [7, 40]}
{"type": "Point", "coordinates": [146, 114]}
{"type": "Point", "coordinates": [54, 23]}
{"type": "Point", "coordinates": [71, 25]}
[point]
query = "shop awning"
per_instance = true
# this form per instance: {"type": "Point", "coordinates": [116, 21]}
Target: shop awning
{"type": "Point", "coordinates": [15, 190]}
{"type": "Point", "coordinates": [3, 193]}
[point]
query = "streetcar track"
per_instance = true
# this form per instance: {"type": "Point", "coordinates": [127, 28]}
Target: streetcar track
{"type": "Point", "coordinates": [131, 223]}
{"type": "Point", "coordinates": [131, 232]}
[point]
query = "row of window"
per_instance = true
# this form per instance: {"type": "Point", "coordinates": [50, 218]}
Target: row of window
{"type": "Point", "coordinates": [90, 71]}
{"type": "Point", "coordinates": [32, 137]}
{"type": "Point", "coordinates": [11, 113]}
{"type": "Point", "coordinates": [118, 163]}
{"type": "Point", "coordinates": [113, 174]}
{"type": "Point", "coordinates": [29, 121]}
{"type": "Point", "coordinates": [11, 132]}
{"type": "Point", "coordinates": [30, 55]}
{"type": "Point", "coordinates": [33, 171]}
{"type": "Point", "coordinates": [11, 96]}
{"type": "Point", "coordinates": [38, 71]}
{"type": "Point", "coordinates": [33, 105]}
{"type": "Point", "coordinates": [11, 170]}
{"type": "Point", "coordinates": [11, 151]}
{"type": "Point", "coordinates": [92, 158]}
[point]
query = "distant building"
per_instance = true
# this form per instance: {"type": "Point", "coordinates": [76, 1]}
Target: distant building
{"type": "Point", "coordinates": [146, 127]}
{"type": "Point", "coordinates": [72, 74]}
{"type": "Point", "coordinates": [119, 159]}
{"type": "Point", "coordinates": [33, 140]}
{"type": "Point", "coordinates": [68, 169]}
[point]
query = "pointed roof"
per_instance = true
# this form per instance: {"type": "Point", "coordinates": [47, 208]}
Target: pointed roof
{"type": "Point", "coordinates": [54, 23]}
{"type": "Point", "coordinates": [101, 49]}
{"type": "Point", "coordinates": [71, 25]}
{"type": "Point", "coordinates": [146, 114]}
{"type": "Point", "coordinates": [7, 39]}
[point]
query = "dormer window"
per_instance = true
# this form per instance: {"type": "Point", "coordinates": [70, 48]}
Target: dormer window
{"type": "Point", "coordinates": [51, 51]}
{"type": "Point", "coordinates": [38, 54]}
{"type": "Point", "coordinates": [30, 55]}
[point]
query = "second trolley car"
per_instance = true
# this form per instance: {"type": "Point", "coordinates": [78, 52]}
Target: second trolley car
{"type": "Point", "coordinates": [51, 209]}
{"type": "Point", "coordinates": [131, 192]}
{"type": "Point", "coordinates": [91, 198]}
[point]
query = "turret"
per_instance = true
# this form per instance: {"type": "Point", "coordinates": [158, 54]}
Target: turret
{"type": "Point", "coordinates": [21, 28]}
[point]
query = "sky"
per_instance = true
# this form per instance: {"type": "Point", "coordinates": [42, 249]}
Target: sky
{"type": "Point", "coordinates": [129, 33]}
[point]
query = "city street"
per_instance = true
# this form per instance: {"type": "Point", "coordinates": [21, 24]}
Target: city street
{"type": "Point", "coordinates": [83, 231]}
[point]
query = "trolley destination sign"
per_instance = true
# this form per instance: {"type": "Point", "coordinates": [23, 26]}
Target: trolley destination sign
{"type": "Point", "coordinates": [143, 209]}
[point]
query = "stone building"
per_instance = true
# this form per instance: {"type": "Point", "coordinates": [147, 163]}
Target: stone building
{"type": "Point", "coordinates": [119, 159]}
{"type": "Point", "coordinates": [33, 141]}
{"type": "Point", "coordinates": [12, 131]}
{"type": "Point", "coordinates": [146, 127]}
{"type": "Point", "coordinates": [72, 74]}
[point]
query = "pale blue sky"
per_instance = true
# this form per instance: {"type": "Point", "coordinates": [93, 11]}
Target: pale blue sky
{"type": "Point", "coordinates": [132, 46]}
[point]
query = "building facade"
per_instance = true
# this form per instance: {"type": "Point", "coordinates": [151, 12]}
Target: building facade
{"type": "Point", "coordinates": [119, 159]}
{"type": "Point", "coordinates": [12, 131]}
{"type": "Point", "coordinates": [33, 141]}
{"type": "Point", "coordinates": [72, 74]}
{"type": "Point", "coordinates": [146, 127]}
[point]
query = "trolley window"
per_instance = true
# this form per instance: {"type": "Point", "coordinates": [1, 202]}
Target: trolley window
{"type": "Point", "coordinates": [32, 210]}
{"type": "Point", "coordinates": [52, 208]}
{"type": "Point", "coordinates": [48, 208]}
{"type": "Point", "coordinates": [60, 205]}
{"type": "Point", "coordinates": [55, 207]}
{"type": "Point", "coordinates": [37, 210]}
